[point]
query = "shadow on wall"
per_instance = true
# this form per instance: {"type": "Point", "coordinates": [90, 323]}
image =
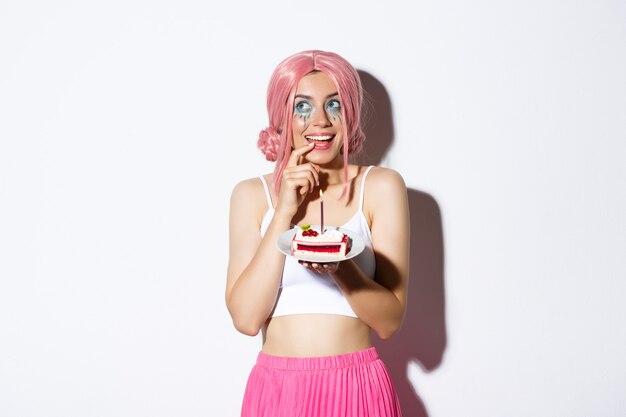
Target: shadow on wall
{"type": "Point", "coordinates": [422, 339]}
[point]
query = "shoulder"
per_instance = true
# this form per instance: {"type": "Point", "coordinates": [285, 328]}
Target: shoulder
{"type": "Point", "coordinates": [384, 180]}
{"type": "Point", "coordinates": [385, 194]}
{"type": "Point", "coordinates": [247, 186]}
{"type": "Point", "coordinates": [249, 192]}
{"type": "Point", "coordinates": [253, 184]}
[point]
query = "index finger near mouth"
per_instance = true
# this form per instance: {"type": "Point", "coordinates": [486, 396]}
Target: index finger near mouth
{"type": "Point", "coordinates": [297, 153]}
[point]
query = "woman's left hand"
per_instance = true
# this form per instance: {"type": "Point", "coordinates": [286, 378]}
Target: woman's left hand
{"type": "Point", "coordinates": [320, 267]}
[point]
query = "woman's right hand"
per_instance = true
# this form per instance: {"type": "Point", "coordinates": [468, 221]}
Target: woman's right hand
{"type": "Point", "coordinates": [299, 179]}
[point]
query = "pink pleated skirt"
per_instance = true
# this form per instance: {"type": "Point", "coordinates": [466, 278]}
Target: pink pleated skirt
{"type": "Point", "coordinates": [350, 385]}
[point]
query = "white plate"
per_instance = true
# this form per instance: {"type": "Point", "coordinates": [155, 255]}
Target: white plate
{"type": "Point", "coordinates": [284, 245]}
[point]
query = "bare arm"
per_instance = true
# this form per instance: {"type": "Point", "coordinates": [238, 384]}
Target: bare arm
{"type": "Point", "coordinates": [255, 265]}
{"type": "Point", "coordinates": [381, 303]}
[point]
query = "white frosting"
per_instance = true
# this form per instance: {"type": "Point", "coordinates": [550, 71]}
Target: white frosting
{"type": "Point", "coordinates": [330, 235]}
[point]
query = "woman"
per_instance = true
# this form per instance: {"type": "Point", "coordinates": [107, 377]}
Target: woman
{"type": "Point", "coordinates": [316, 318]}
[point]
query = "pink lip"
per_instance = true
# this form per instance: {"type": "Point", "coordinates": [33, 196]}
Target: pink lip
{"type": "Point", "coordinates": [322, 146]}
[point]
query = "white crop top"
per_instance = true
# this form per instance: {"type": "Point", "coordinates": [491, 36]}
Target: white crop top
{"type": "Point", "coordinates": [305, 292]}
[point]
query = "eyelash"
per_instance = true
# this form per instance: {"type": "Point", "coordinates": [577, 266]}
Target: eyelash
{"type": "Point", "coordinates": [308, 108]}
{"type": "Point", "coordinates": [299, 109]}
{"type": "Point", "coordinates": [333, 109]}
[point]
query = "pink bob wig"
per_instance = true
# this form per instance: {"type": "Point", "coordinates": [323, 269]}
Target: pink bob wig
{"type": "Point", "coordinates": [276, 140]}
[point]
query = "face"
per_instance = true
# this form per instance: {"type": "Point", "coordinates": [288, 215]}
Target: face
{"type": "Point", "coordinates": [317, 118]}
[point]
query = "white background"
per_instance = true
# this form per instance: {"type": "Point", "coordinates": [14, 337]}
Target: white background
{"type": "Point", "coordinates": [124, 126]}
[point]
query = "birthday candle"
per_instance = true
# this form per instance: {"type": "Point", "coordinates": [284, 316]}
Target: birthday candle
{"type": "Point", "coordinates": [321, 211]}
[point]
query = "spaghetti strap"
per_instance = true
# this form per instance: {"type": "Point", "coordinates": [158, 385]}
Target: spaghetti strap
{"type": "Point", "coordinates": [362, 196]}
{"type": "Point", "coordinates": [267, 192]}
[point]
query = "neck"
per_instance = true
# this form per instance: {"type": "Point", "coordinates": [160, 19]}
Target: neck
{"type": "Point", "coordinates": [332, 173]}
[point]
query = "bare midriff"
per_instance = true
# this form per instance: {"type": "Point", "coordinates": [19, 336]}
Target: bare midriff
{"type": "Point", "coordinates": [304, 335]}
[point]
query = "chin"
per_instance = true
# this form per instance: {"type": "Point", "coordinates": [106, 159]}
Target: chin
{"type": "Point", "coordinates": [324, 160]}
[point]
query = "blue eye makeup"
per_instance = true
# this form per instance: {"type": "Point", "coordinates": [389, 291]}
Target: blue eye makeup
{"type": "Point", "coordinates": [303, 107]}
{"type": "Point", "coordinates": [304, 110]}
{"type": "Point", "coordinates": [333, 105]}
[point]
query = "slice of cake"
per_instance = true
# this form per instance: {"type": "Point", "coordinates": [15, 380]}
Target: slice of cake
{"type": "Point", "coordinates": [309, 241]}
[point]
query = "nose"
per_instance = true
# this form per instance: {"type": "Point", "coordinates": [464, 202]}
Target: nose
{"type": "Point", "coordinates": [320, 118]}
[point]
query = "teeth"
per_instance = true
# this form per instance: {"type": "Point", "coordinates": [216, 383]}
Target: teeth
{"type": "Point", "coordinates": [320, 138]}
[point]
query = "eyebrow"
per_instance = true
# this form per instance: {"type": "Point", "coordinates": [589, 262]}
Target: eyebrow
{"type": "Point", "coordinates": [310, 98]}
